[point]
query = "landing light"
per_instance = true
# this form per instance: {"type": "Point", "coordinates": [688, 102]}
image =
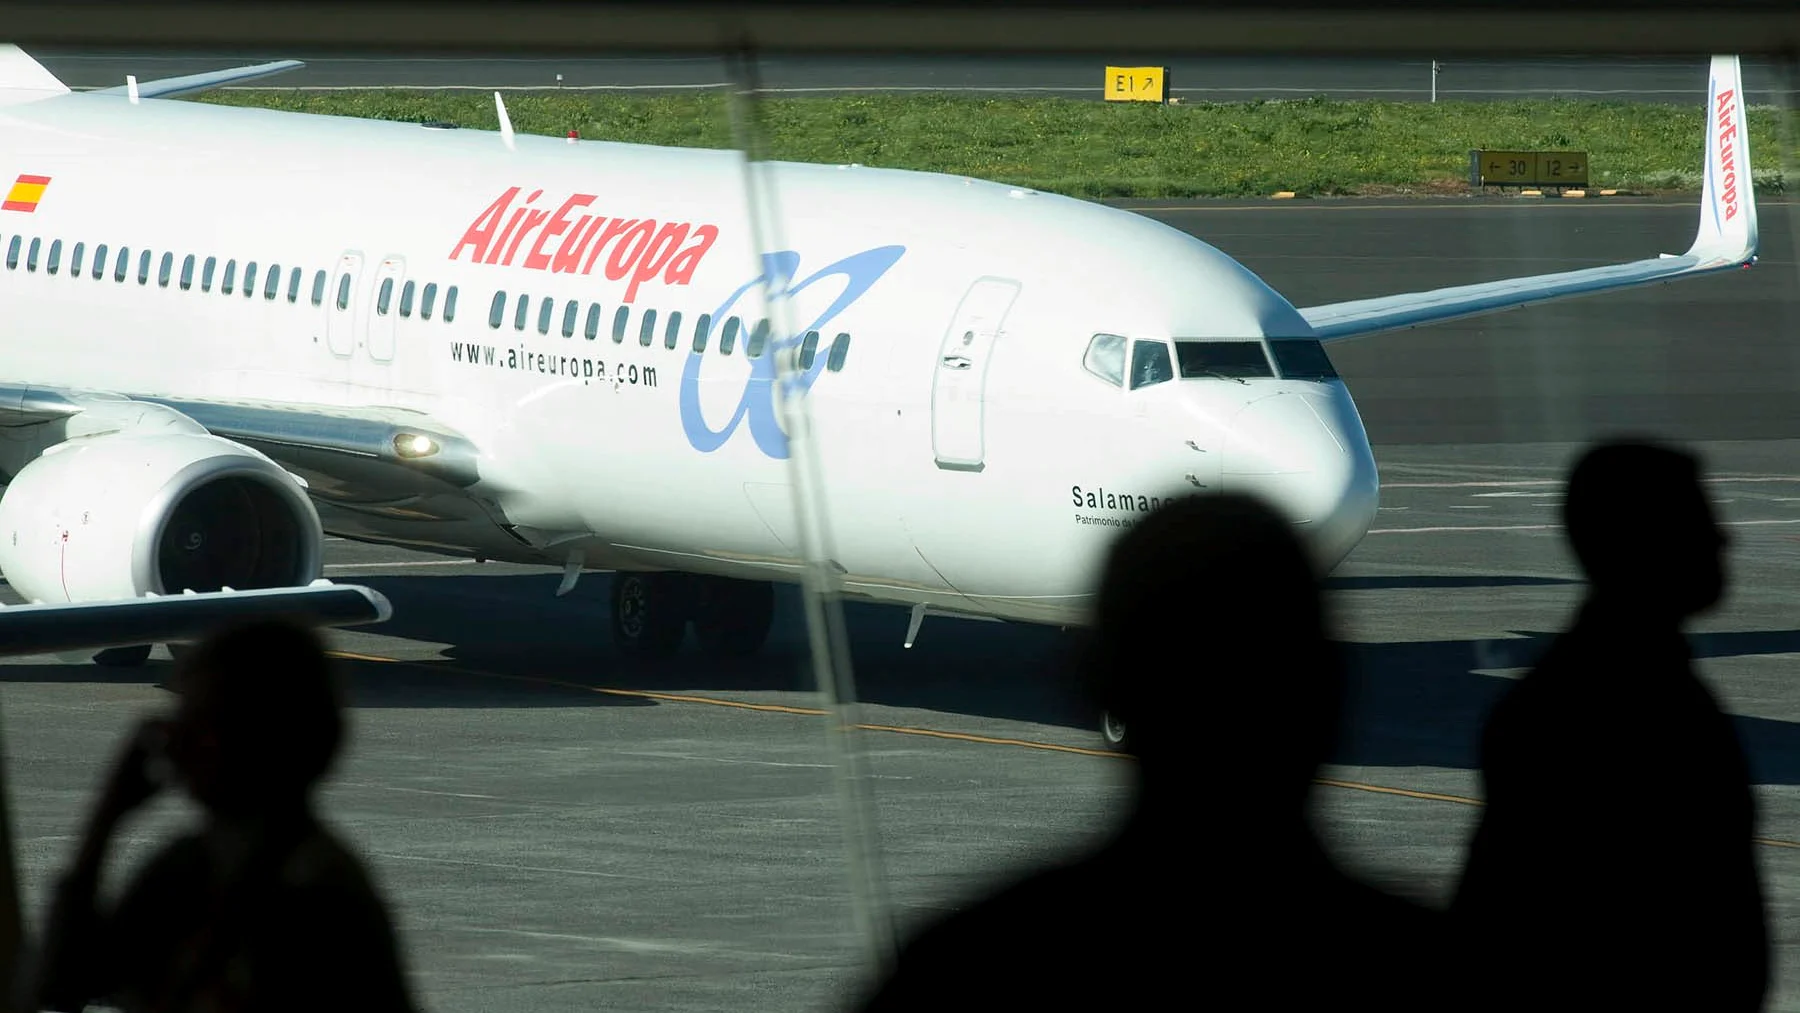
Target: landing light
{"type": "Point", "coordinates": [411, 445]}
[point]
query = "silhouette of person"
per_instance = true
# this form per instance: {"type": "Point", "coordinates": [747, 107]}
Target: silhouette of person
{"type": "Point", "coordinates": [1209, 639]}
{"type": "Point", "coordinates": [259, 908]}
{"type": "Point", "coordinates": [1614, 865]}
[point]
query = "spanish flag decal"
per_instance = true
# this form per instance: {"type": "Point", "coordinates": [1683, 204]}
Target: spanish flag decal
{"type": "Point", "coordinates": [25, 193]}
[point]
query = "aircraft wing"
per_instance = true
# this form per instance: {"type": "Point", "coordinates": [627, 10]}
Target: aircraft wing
{"type": "Point", "coordinates": [187, 84]}
{"type": "Point", "coordinates": [42, 629]}
{"type": "Point", "coordinates": [1726, 238]}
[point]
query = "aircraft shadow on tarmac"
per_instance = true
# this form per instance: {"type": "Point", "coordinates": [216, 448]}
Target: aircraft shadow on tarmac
{"type": "Point", "coordinates": [508, 641]}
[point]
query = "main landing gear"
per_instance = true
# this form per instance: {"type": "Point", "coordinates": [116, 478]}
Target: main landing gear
{"type": "Point", "coordinates": [651, 613]}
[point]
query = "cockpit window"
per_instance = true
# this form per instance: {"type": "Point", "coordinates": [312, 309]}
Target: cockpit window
{"type": "Point", "coordinates": [1106, 358]}
{"type": "Point", "coordinates": [1303, 360]}
{"type": "Point", "coordinates": [1224, 359]}
{"type": "Point", "coordinates": [1150, 363]}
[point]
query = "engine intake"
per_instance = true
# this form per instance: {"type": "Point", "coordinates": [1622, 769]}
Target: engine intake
{"type": "Point", "coordinates": [122, 515]}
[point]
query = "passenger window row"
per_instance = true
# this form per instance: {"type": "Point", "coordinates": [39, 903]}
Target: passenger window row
{"type": "Point", "coordinates": [546, 317]}
{"type": "Point", "coordinates": [36, 254]}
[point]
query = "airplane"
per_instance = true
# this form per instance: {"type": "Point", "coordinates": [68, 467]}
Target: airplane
{"type": "Point", "coordinates": [232, 331]}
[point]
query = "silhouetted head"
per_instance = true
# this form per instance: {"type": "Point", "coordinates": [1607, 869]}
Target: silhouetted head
{"type": "Point", "coordinates": [1643, 529]}
{"type": "Point", "coordinates": [259, 720]}
{"type": "Point", "coordinates": [1209, 640]}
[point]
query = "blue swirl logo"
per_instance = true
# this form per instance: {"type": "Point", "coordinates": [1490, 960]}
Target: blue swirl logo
{"type": "Point", "coordinates": [757, 403]}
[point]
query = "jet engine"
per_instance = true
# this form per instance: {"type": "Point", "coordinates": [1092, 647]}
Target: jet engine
{"type": "Point", "coordinates": [122, 515]}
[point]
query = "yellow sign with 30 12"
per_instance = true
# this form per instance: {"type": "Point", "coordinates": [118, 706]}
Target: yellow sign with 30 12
{"type": "Point", "coordinates": [1137, 84]}
{"type": "Point", "coordinates": [1531, 168]}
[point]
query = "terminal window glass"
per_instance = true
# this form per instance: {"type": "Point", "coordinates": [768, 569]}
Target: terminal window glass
{"type": "Point", "coordinates": [1106, 358]}
{"type": "Point", "coordinates": [1150, 363]}
{"type": "Point", "coordinates": [1222, 359]}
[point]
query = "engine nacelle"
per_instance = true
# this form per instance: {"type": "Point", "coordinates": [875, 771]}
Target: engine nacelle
{"type": "Point", "coordinates": [122, 515]}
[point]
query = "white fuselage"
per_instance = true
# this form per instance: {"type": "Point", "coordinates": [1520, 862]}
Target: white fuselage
{"type": "Point", "coordinates": [971, 461]}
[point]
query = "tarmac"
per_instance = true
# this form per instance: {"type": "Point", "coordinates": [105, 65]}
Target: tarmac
{"type": "Point", "coordinates": [559, 830]}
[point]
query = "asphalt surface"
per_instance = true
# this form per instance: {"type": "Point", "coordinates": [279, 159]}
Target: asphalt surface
{"type": "Point", "coordinates": [559, 830]}
{"type": "Point", "coordinates": [1190, 78]}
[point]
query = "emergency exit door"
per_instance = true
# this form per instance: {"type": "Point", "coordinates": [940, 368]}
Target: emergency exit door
{"type": "Point", "coordinates": [959, 385]}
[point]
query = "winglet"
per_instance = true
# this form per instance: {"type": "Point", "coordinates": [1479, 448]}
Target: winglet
{"type": "Point", "coordinates": [506, 130]}
{"type": "Point", "coordinates": [1727, 232]}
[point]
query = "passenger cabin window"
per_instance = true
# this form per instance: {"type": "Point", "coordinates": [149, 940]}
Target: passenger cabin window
{"type": "Point", "coordinates": [1106, 358]}
{"type": "Point", "coordinates": [206, 277]}
{"type": "Point", "coordinates": [571, 313]}
{"type": "Point", "coordinates": [318, 292]}
{"type": "Point", "coordinates": [497, 311]}
{"type": "Point", "coordinates": [728, 337]}
{"type": "Point", "coordinates": [122, 264]}
{"type": "Point", "coordinates": [1226, 360]}
{"type": "Point", "coordinates": [99, 259]}
{"type": "Point", "coordinates": [621, 317]}
{"type": "Point", "coordinates": [75, 259]}
{"type": "Point", "coordinates": [250, 280]}
{"type": "Point", "coordinates": [519, 317]}
{"type": "Point", "coordinates": [809, 349]}
{"type": "Point", "coordinates": [647, 330]}
{"type": "Point", "coordinates": [54, 261]}
{"type": "Point", "coordinates": [187, 272]}
{"type": "Point", "coordinates": [840, 348]}
{"type": "Point", "coordinates": [450, 305]}
{"type": "Point", "coordinates": [1150, 363]}
{"type": "Point", "coordinates": [759, 339]}
{"type": "Point", "coordinates": [165, 269]}
{"type": "Point", "coordinates": [406, 298]}
{"type": "Point", "coordinates": [672, 334]}
{"type": "Point", "coordinates": [12, 254]}
{"type": "Point", "coordinates": [1302, 359]}
{"type": "Point", "coordinates": [546, 310]}
{"type": "Point", "coordinates": [702, 328]}
{"type": "Point", "coordinates": [343, 293]}
{"type": "Point", "coordinates": [294, 285]}
{"type": "Point", "coordinates": [427, 300]}
{"type": "Point", "coordinates": [591, 329]}
{"type": "Point", "coordinates": [228, 283]}
{"type": "Point", "coordinates": [384, 297]}
{"type": "Point", "coordinates": [272, 286]}
{"type": "Point", "coordinates": [31, 254]}
{"type": "Point", "coordinates": [144, 268]}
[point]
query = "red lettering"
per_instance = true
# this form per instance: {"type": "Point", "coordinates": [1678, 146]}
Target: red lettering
{"type": "Point", "coordinates": [494, 250]}
{"type": "Point", "coordinates": [613, 228]}
{"type": "Point", "coordinates": [533, 218]}
{"type": "Point", "coordinates": [568, 256]}
{"type": "Point", "coordinates": [481, 231]}
{"type": "Point", "coordinates": [656, 256]}
{"type": "Point", "coordinates": [681, 269]}
{"type": "Point", "coordinates": [625, 254]}
{"type": "Point", "coordinates": [537, 259]}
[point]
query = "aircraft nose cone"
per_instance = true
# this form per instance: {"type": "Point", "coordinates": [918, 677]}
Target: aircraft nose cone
{"type": "Point", "coordinates": [1308, 455]}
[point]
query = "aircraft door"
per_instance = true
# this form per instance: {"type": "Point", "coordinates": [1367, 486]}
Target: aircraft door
{"type": "Point", "coordinates": [385, 314]}
{"type": "Point", "coordinates": [957, 441]}
{"type": "Point", "coordinates": [341, 305]}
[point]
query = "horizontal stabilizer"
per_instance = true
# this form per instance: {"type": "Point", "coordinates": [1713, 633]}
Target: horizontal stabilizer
{"type": "Point", "coordinates": [49, 628]}
{"type": "Point", "coordinates": [1726, 238]}
{"type": "Point", "coordinates": [169, 87]}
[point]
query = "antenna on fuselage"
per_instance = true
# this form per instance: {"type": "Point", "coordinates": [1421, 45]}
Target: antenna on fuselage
{"type": "Point", "coordinates": [131, 91]}
{"type": "Point", "coordinates": [506, 130]}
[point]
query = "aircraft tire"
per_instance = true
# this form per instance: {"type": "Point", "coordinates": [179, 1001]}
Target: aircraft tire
{"type": "Point", "coordinates": [732, 617]}
{"type": "Point", "coordinates": [123, 657]}
{"type": "Point", "coordinates": [649, 613]}
{"type": "Point", "coordinates": [1114, 733]}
